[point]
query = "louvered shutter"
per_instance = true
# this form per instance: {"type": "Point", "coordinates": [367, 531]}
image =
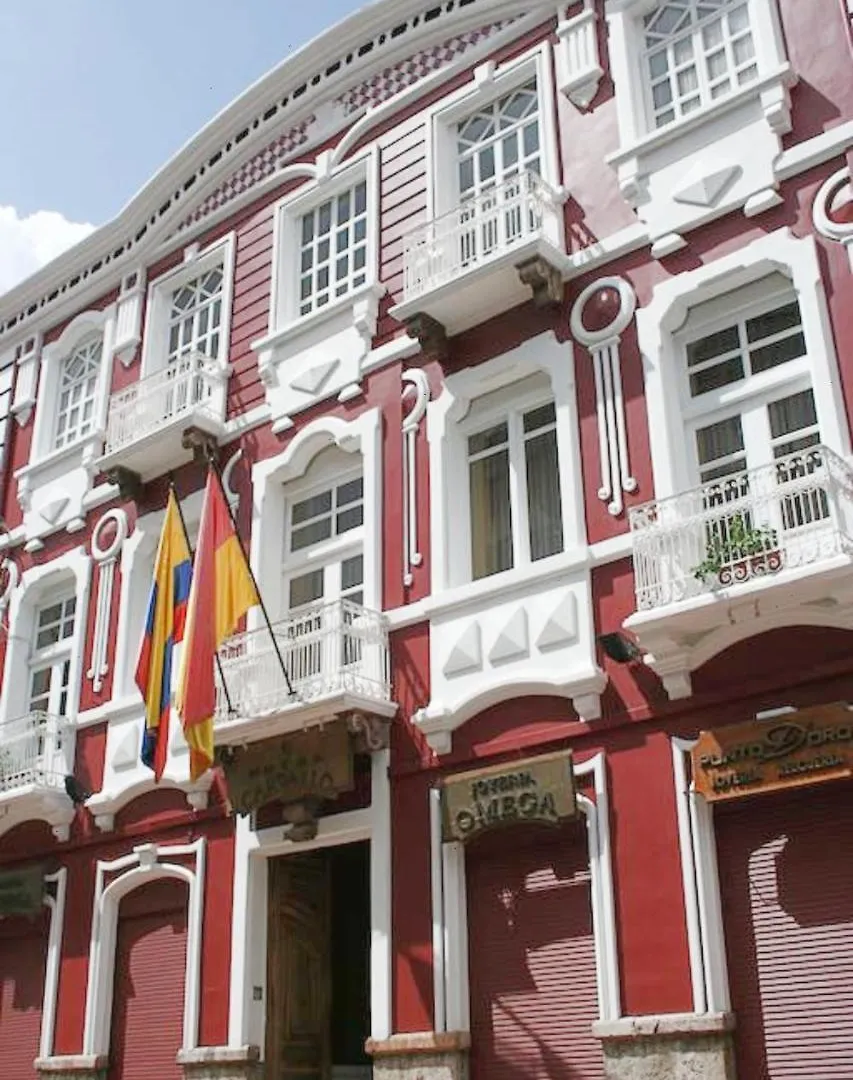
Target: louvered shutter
{"type": "Point", "coordinates": [531, 956]}
{"type": "Point", "coordinates": [148, 995]}
{"type": "Point", "coordinates": [23, 954]}
{"type": "Point", "coordinates": [786, 880]}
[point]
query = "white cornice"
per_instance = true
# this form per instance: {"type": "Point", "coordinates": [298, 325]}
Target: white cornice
{"type": "Point", "coordinates": [310, 77]}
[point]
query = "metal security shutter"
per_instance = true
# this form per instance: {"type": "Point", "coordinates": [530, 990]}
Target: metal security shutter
{"type": "Point", "coordinates": [148, 995]}
{"type": "Point", "coordinates": [786, 880]}
{"type": "Point", "coordinates": [23, 953]}
{"type": "Point", "coordinates": [531, 956]}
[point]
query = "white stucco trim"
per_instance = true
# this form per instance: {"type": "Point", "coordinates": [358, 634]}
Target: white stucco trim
{"type": "Point", "coordinates": [450, 913]}
{"type": "Point", "coordinates": [146, 863]}
{"type": "Point", "coordinates": [701, 881]}
{"type": "Point", "coordinates": [660, 319]}
{"type": "Point", "coordinates": [362, 435]}
{"type": "Point", "coordinates": [56, 905]}
{"type": "Point", "coordinates": [252, 849]}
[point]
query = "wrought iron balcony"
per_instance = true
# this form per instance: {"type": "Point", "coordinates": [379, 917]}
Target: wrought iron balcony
{"type": "Point", "coordinates": [795, 514]}
{"type": "Point", "coordinates": [336, 655]}
{"type": "Point", "coordinates": [146, 420]}
{"type": "Point", "coordinates": [35, 751]}
{"type": "Point", "coordinates": [477, 259]}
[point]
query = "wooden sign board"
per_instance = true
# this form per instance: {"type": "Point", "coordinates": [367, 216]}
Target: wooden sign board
{"type": "Point", "coordinates": [793, 750]}
{"type": "Point", "coordinates": [540, 789]}
{"type": "Point", "coordinates": [315, 764]}
{"type": "Point", "coordinates": [22, 891]}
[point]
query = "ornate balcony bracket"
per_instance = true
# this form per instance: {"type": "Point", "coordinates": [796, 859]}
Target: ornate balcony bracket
{"type": "Point", "coordinates": [545, 280]}
{"type": "Point", "coordinates": [204, 446]}
{"type": "Point", "coordinates": [128, 482]}
{"type": "Point", "coordinates": [430, 333]}
{"type": "Point", "coordinates": [372, 732]}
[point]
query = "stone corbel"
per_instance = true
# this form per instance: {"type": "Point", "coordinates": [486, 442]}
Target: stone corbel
{"type": "Point", "coordinates": [372, 732]}
{"type": "Point", "coordinates": [545, 280]}
{"type": "Point", "coordinates": [204, 446]}
{"type": "Point", "coordinates": [579, 72]}
{"type": "Point", "coordinates": [430, 333]}
{"type": "Point", "coordinates": [128, 482]}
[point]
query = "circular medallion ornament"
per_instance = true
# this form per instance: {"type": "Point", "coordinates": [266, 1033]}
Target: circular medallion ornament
{"type": "Point", "coordinates": [833, 207]}
{"type": "Point", "coordinates": [602, 311]}
{"type": "Point", "coordinates": [108, 535]}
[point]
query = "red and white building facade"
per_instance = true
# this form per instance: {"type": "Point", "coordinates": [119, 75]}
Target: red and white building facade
{"type": "Point", "coordinates": [521, 333]}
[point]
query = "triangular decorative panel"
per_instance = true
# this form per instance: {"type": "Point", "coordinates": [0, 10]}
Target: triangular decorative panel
{"type": "Point", "coordinates": [467, 653]}
{"type": "Point", "coordinates": [310, 381]}
{"type": "Point", "coordinates": [705, 184]}
{"type": "Point", "coordinates": [126, 754]}
{"type": "Point", "coordinates": [561, 626]}
{"type": "Point", "coordinates": [512, 642]}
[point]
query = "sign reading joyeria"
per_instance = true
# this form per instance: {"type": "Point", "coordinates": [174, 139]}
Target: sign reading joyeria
{"type": "Point", "coordinates": [540, 789]}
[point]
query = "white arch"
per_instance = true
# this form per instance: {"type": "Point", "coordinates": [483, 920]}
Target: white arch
{"type": "Point", "coordinates": [142, 866]}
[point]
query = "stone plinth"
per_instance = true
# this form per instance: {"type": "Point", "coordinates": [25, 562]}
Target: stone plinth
{"type": "Point", "coordinates": [673, 1046]}
{"type": "Point", "coordinates": [72, 1067]}
{"type": "Point", "coordinates": [422, 1055]}
{"type": "Point", "coordinates": [221, 1063]}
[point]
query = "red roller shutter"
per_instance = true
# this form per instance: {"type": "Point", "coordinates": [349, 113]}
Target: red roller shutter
{"type": "Point", "coordinates": [786, 880]}
{"type": "Point", "coordinates": [148, 995]}
{"type": "Point", "coordinates": [531, 956]}
{"type": "Point", "coordinates": [23, 954]}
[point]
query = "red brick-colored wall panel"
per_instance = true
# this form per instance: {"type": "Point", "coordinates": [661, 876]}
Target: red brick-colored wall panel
{"type": "Point", "coordinates": [216, 935]}
{"type": "Point", "coordinates": [89, 754]}
{"type": "Point", "coordinates": [818, 43]}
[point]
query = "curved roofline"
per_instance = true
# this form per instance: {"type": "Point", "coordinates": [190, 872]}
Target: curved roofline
{"type": "Point", "coordinates": [306, 78]}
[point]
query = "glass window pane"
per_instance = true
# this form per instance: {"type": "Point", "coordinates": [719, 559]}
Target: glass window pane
{"type": "Point", "coordinates": [773, 322]}
{"type": "Point", "coordinates": [350, 518]}
{"type": "Point", "coordinates": [712, 378]}
{"type": "Point", "coordinates": [792, 413]}
{"type": "Point", "coordinates": [719, 440]}
{"type": "Point", "coordinates": [712, 345]}
{"type": "Point", "coordinates": [307, 535]}
{"type": "Point", "coordinates": [780, 352]}
{"type": "Point", "coordinates": [311, 507]}
{"type": "Point", "coordinates": [306, 588]}
{"type": "Point", "coordinates": [544, 506]}
{"type": "Point", "coordinates": [349, 492]}
{"type": "Point", "coordinates": [352, 572]}
{"type": "Point", "coordinates": [538, 418]}
{"type": "Point", "coordinates": [491, 523]}
{"type": "Point", "coordinates": [485, 440]}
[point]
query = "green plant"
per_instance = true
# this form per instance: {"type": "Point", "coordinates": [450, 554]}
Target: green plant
{"type": "Point", "coordinates": [731, 540]}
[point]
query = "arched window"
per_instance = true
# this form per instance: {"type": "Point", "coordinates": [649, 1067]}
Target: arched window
{"type": "Point", "coordinates": [78, 383]}
{"type": "Point", "coordinates": [696, 51]}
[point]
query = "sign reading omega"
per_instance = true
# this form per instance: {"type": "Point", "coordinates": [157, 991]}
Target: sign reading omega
{"type": "Point", "coordinates": [540, 789]}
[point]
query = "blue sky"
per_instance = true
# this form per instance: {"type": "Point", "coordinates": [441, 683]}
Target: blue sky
{"type": "Point", "coordinates": [96, 95]}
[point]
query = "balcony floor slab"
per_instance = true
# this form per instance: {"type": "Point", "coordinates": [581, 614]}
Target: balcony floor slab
{"type": "Point", "coordinates": [293, 715]}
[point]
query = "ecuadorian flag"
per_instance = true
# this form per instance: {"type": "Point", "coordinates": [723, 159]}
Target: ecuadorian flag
{"type": "Point", "coordinates": [222, 592]}
{"type": "Point", "coordinates": [164, 626]}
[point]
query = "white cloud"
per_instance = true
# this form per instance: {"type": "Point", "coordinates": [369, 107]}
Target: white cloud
{"type": "Point", "coordinates": [27, 243]}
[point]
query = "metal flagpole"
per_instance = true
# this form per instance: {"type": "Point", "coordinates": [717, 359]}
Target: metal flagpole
{"type": "Point", "coordinates": [174, 490]}
{"type": "Point", "coordinates": [214, 465]}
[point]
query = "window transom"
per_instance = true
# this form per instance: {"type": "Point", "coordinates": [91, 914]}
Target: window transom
{"type": "Point", "coordinates": [78, 384]}
{"type": "Point", "coordinates": [195, 316]}
{"type": "Point", "coordinates": [499, 141]}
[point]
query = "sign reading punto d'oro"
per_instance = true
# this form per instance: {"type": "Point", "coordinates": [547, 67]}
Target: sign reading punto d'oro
{"type": "Point", "coordinates": [540, 789]}
{"type": "Point", "coordinates": [791, 750]}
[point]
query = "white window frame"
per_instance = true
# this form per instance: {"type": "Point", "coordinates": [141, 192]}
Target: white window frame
{"type": "Point", "coordinates": [325, 554]}
{"type": "Point", "coordinates": [155, 347]}
{"type": "Point", "coordinates": [87, 343]}
{"type": "Point", "coordinates": [519, 498]}
{"type": "Point", "coordinates": [287, 242]}
{"type": "Point", "coordinates": [627, 57]}
{"type": "Point", "coordinates": [448, 427]}
{"type": "Point", "coordinates": [661, 345]}
{"type": "Point", "coordinates": [489, 85]}
{"type": "Point", "coordinates": [52, 657]}
{"type": "Point", "coordinates": [88, 324]}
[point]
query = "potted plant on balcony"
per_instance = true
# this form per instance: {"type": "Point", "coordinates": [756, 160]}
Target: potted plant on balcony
{"type": "Point", "coordinates": [737, 551]}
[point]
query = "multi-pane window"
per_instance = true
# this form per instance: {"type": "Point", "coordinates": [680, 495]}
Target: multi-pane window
{"type": "Point", "coordinates": [195, 317]}
{"type": "Point", "coordinates": [333, 248]}
{"type": "Point", "coordinates": [50, 661]}
{"type": "Point", "coordinates": [514, 491]}
{"type": "Point", "coordinates": [498, 141]}
{"type": "Point", "coordinates": [696, 51]}
{"type": "Point", "coordinates": [330, 512]}
{"type": "Point", "coordinates": [78, 386]}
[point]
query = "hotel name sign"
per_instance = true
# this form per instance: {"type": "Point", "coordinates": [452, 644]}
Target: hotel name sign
{"type": "Point", "coordinates": [792, 750]}
{"type": "Point", "coordinates": [540, 789]}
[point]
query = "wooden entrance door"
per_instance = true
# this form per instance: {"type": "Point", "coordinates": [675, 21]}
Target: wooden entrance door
{"type": "Point", "coordinates": [299, 977]}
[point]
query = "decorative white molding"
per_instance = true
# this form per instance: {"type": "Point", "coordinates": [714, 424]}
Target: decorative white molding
{"type": "Point", "coordinates": [55, 901]}
{"type": "Point", "coordinates": [411, 421]}
{"type": "Point", "coordinates": [9, 568]}
{"type": "Point", "coordinates": [148, 862]}
{"type": "Point", "coordinates": [450, 923]}
{"type": "Point", "coordinates": [232, 495]}
{"type": "Point", "coordinates": [578, 67]}
{"type": "Point", "coordinates": [603, 344]}
{"type": "Point", "coordinates": [128, 332]}
{"type": "Point", "coordinates": [700, 877]}
{"type": "Point", "coordinates": [27, 358]}
{"type": "Point", "coordinates": [105, 561]}
{"type": "Point", "coordinates": [835, 192]}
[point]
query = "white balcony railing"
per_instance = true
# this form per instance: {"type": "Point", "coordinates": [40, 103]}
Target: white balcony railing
{"type": "Point", "coordinates": [192, 383]}
{"type": "Point", "coordinates": [35, 749]}
{"type": "Point", "coordinates": [328, 648]}
{"type": "Point", "coordinates": [479, 230]}
{"type": "Point", "coordinates": [795, 512]}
